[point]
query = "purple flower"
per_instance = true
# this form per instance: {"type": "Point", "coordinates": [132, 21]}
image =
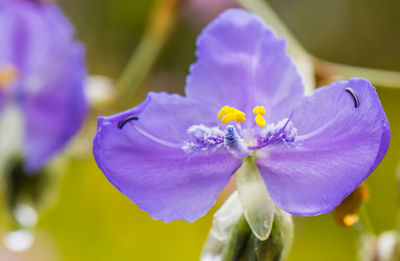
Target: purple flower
{"type": "Point", "coordinates": [42, 70]}
{"type": "Point", "coordinates": [172, 155]}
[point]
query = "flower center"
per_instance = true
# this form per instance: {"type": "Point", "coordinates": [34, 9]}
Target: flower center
{"type": "Point", "coordinates": [8, 74]}
{"type": "Point", "coordinates": [229, 113]}
{"type": "Point", "coordinates": [203, 138]}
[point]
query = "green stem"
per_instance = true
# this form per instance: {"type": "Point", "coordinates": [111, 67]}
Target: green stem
{"type": "Point", "coordinates": [365, 221]}
{"type": "Point", "coordinates": [382, 78]}
{"type": "Point", "coordinates": [160, 25]}
{"type": "Point", "coordinates": [323, 69]}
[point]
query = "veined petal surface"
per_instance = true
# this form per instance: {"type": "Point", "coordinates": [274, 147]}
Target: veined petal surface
{"type": "Point", "coordinates": [242, 63]}
{"type": "Point", "coordinates": [337, 147]}
{"type": "Point", "coordinates": [145, 160]}
{"type": "Point", "coordinates": [31, 33]}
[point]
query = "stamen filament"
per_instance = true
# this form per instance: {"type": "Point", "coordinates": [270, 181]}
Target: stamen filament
{"type": "Point", "coordinates": [277, 134]}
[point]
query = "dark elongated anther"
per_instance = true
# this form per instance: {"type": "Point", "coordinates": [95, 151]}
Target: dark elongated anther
{"type": "Point", "coordinates": [355, 97]}
{"type": "Point", "coordinates": [123, 122]}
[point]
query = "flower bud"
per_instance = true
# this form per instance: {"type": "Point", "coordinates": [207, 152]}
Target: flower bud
{"type": "Point", "coordinates": [231, 237]}
{"type": "Point", "coordinates": [278, 244]}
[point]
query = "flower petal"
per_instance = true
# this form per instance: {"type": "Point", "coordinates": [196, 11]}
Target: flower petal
{"type": "Point", "coordinates": [145, 160]}
{"type": "Point", "coordinates": [242, 63]}
{"type": "Point", "coordinates": [337, 147]}
{"type": "Point", "coordinates": [32, 32]}
{"type": "Point", "coordinates": [38, 40]}
{"type": "Point", "coordinates": [55, 111]}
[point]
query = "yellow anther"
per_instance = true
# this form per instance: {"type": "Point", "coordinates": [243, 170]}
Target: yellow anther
{"type": "Point", "coordinates": [227, 118]}
{"type": "Point", "coordinates": [260, 121]}
{"type": "Point", "coordinates": [229, 113]}
{"type": "Point", "coordinates": [225, 110]}
{"type": "Point", "coordinates": [8, 74]}
{"type": "Point", "coordinates": [239, 116]}
{"type": "Point", "coordinates": [259, 110]}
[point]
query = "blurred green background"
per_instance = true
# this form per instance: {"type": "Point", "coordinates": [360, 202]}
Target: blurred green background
{"type": "Point", "coordinates": [91, 220]}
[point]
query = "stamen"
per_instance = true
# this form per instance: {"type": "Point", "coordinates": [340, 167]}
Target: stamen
{"type": "Point", "coordinates": [355, 97]}
{"type": "Point", "coordinates": [260, 121]}
{"type": "Point", "coordinates": [229, 113]}
{"type": "Point", "coordinates": [234, 143]}
{"type": "Point", "coordinates": [8, 74]}
{"type": "Point", "coordinates": [282, 132]}
{"type": "Point", "coordinates": [225, 110]}
{"type": "Point", "coordinates": [239, 117]}
{"type": "Point", "coordinates": [123, 122]}
{"type": "Point", "coordinates": [203, 138]}
{"type": "Point", "coordinates": [227, 118]}
{"type": "Point", "coordinates": [260, 111]}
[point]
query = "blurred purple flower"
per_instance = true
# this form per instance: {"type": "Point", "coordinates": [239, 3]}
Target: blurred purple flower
{"type": "Point", "coordinates": [42, 70]}
{"type": "Point", "coordinates": [172, 156]}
